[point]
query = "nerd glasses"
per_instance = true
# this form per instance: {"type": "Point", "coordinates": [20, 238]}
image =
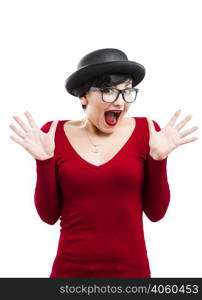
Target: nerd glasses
{"type": "Point", "coordinates": [111, 94]}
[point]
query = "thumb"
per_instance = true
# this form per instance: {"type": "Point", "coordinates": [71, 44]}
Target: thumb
{"type": "Point", "coordinates": [151, 125]}
{"type": "Point", "coordinates": [53, 127]}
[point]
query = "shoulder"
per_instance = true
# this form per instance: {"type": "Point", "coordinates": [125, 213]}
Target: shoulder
{"type": "Point", "coordinates": [45, 127]}
{"type": "Point", "coordinates": [143, 133]}
{"type": "Point", "coordinates": [143, 128]}
{"type": "Point", "coordinates": [144, 123]}
{"type": "Point", "coordinates": [73, 123]}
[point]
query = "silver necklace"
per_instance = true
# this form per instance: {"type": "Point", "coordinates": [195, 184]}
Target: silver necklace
{"type": "Point", "coordinates": [94, 149]}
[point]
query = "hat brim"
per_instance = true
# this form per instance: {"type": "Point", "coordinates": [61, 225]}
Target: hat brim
{"type": "Point", "coordinates": [81, 76]}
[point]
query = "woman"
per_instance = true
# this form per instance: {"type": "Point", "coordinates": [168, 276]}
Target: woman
{"type": "Point", "coordinates": [99, 174]}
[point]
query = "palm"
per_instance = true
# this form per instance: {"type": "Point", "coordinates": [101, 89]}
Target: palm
{"type": "Point", "coordinates": [39, 144]}
{"type": "Point", "coordinates": [169, 138]}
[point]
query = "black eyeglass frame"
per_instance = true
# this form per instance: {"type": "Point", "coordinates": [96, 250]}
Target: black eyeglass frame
{"type": "Point", "coordinates": [119, 92]}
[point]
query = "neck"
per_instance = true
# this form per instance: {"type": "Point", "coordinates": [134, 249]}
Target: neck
{"type": "Point", "coordinates": [92, 129]}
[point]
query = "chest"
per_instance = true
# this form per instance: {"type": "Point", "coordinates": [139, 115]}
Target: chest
{"type": "Point", "coordinates": [107, 148]}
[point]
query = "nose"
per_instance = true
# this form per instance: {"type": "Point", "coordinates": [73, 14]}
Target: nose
{"type": "Point", "coordinates": [120, 100]}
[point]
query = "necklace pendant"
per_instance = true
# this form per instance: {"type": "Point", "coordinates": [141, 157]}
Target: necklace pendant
{"type": "Point", "coordinates": [95, 149]}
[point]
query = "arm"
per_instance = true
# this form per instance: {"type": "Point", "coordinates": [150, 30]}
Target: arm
{"type": "Point", "coordinates": [48, 196]}
{"type": "Point", "coordinates": [156, 192]}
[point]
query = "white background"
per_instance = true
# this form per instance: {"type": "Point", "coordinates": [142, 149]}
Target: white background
{"type": "Point", "coordinates": [41, 44]}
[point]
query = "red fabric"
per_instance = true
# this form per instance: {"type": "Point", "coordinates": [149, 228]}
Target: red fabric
{"type": "Point", "coordinates": [100, 207]}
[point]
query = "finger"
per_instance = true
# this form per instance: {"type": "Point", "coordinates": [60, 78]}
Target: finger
{"type": "Point", "coordinates": [17, 131]}
{"type": "Point", "coordinates": [174, 118]}
{"type": "Point", "coordinates": [53, 127]}
{"type": "Point", "coordinates": [151, 125]}
{"type": "Point", "coordinates": [188, 131]}
{"type": "Point", "coordinates": [183, 122]}
{"type": "Point", "coordinates": [18, 141]}
{"type": "Point", "coordinates": [188, 140]}
{"type": "Point", "coordinates": [30, 119]}
{"type": "Point", "coordinates": [21, 123]}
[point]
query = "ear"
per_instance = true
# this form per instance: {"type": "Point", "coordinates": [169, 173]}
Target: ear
{"type": "Point", "coordinates": [83, 100]}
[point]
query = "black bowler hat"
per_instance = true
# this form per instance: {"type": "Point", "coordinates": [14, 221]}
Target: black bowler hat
{"type": "Point", "coordinates": [103, 62]}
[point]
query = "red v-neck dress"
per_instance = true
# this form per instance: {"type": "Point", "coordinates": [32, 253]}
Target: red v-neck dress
{"type": "Point", "coordinates": [101, 207]}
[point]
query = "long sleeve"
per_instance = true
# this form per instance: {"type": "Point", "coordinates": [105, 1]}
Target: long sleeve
{"type": "Point", "coordinates": [156, 192]}
{"type": "Point", "coordinates": [48, 196]}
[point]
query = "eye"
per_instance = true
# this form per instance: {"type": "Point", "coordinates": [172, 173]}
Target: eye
{"type": "Point", "coordinates": [128, 91]}
{"type": "Point", "coordinates": [108, 90]}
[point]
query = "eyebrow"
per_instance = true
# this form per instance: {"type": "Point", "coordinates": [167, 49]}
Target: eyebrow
{"type": "Point", "coordinates": [126, 84]}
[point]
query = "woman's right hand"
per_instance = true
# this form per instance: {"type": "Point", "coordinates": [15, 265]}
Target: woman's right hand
{"type": "Point", "coordinates": [39, 144]}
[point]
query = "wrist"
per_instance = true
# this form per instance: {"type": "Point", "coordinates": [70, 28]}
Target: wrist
{"type": "Point", "coordinates": [43, 157]}
{"type": "Point", "coordinates": [157, 156]}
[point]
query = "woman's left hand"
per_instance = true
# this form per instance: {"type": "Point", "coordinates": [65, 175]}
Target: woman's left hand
{"type": "Point", "coordinates": [163, 142]}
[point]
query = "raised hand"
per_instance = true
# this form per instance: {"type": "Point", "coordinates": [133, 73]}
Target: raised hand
{"type": "Point", "coordinates": [39, 144]}
{"type": "Point", "coordinates": [169, 138]}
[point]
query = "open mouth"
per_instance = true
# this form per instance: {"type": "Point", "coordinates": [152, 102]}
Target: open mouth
{"type": "Point", "coordinates": [111, 117]}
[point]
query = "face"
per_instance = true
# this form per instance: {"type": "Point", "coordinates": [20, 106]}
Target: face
{"type": "Point", "coordinates": [96, 107]}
